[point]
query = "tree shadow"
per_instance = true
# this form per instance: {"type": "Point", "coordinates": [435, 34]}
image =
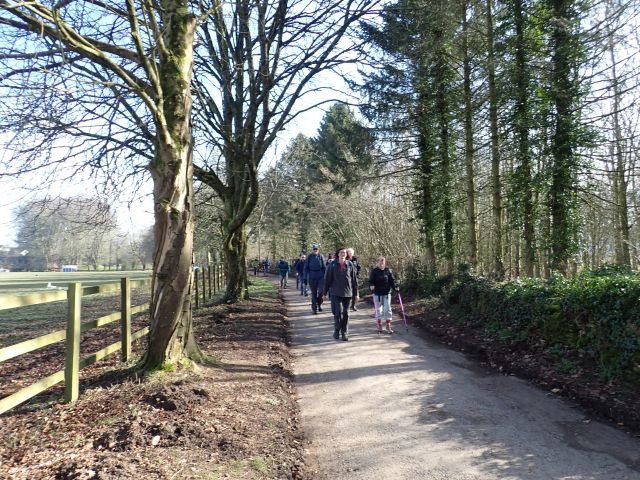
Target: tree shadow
{"type": "Point", "coordinates": [436, 413]}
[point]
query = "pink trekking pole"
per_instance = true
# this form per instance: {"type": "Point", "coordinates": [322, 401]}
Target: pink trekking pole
{"type": "Point", "coordinates": [404, 317]}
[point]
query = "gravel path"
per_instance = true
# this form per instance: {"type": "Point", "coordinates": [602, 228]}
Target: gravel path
{"type": "Point", "coordinates": [398, 407]}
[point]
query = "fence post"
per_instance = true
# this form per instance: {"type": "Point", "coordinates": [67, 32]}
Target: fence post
{"type": "Point", "coordinates": [72, 362]}
{"type": "Point", "coordinates": [125, 318]}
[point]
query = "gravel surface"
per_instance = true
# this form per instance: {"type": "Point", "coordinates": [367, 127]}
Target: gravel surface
{"type": "Point", "coordinates": [400, 407]}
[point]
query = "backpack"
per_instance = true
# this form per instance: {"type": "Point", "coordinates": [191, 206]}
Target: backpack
{"type": "Point", "coordinates": [318, 261]}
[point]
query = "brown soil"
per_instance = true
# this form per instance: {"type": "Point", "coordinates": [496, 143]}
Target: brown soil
{"type": "Point", "coordinates": [567, 374]}
{"type": "Point", "coordinates": [235, 420]}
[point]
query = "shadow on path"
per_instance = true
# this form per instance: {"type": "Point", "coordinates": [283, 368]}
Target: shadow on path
{"type": "Point", "coordinates": [399, 407]}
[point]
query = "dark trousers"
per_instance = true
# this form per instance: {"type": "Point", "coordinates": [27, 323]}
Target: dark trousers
{"type": "Point", "coordinates": [334, 305]}
{"type": "Point", "coordinates": [314, 283]}
{"type": "Point", "coordinates": [341, 315]}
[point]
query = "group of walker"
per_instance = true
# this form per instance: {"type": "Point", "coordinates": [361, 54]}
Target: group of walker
{"type": "Point", "coordinates": [337, 279]}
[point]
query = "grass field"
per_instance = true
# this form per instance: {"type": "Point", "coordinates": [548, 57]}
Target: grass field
{"type": "Point", "coordinates": [23, 323]}
{"type": "Point", "coordinates": [12, 283]}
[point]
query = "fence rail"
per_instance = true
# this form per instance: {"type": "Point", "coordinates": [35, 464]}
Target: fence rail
{"type": "Point", "coordinates": [71, 373]}
{"type": "Point", "coordinates": [208, 282]}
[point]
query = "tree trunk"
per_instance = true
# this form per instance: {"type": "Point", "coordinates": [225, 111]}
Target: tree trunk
{"type": "Point", "coordinates": [496, 182]}
{"type": "Point", "coordinates": [425, 180]}
{"type": "Point", "coordinates": [620, 193]}
{"type": "Point", "coordinates": [171, 335]}
{"type": "Point", "coordinates": [522, 125]}
{"type": "Point", "coordinates": [239, 201]}
{"type": "Point", "coordinates": [442, 114]}
{"type": "Point", "coordinates": [428, 221]}
{"type": "Point", "coordinates": [235, 255]}
{"type": "Point", "coordinates": [564, 96]}
{"type": "Point", "coordinates": [472, 236]}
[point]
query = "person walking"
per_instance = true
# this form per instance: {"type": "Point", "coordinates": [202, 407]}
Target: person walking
{"type": "Point", "coordinates": [302, 285]}
{"type": "Point", "coordinates": [330, 259]}
{"type": "Point", "coordinates": [342, 281]}
{"type": "Point", "coordinates": [284, 269]}
{"type": "Point", "coordinates": [295, 268]}
{"type": "Point", "coordinates": [314, 269]}
{"type": "Point", "coordinates": [381, 282]}
{"type": "Point", "coordinates": [356, 264]}
{"type": "Point", "coordinates": [255, 265]}
{"type": "Point", "coordinates": [266, 266]}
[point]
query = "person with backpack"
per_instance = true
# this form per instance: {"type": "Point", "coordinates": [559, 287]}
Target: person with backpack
{"type": "Point", "coordinates": [284, 269]}
{"type": "Point", "coordinates": [341, 280]}
{"type": "Point", "coordinates": [314, 268]}
{"type": "Point", "coordinates": [381, 282]}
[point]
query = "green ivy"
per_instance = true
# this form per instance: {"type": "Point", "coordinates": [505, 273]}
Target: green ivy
{"type": "Point", "coordinates": [597, 312]}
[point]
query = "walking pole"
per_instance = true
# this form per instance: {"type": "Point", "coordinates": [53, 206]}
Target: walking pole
{"type": "Point", "coordinates": [404, 317]}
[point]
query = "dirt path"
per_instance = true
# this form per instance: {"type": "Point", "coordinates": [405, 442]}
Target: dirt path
{"type": "Point", "coordinates": [398, 407]}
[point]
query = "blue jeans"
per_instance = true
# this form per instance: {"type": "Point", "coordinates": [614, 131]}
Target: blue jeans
{"type": "Point", "coordinates": [382, 306]}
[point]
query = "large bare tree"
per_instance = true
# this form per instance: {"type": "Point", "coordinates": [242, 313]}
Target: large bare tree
{"type": "Point", "coordinates": [115, 76]}
{"type": "Point", "coordinates": [260, 63]}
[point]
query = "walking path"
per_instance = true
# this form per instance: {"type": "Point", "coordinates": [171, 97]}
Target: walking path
{"type": "Point", "coordinates": [394, 407]}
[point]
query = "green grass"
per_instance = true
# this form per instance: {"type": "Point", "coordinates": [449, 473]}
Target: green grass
{"type": "Point", "coordinates": [31, 321]}
{"type": "Point", "coordinates": [12, 283]}
{"type": "Point", "coordinates": [262, 287]}
{"type": "Point", "coordinates": [23, 323]}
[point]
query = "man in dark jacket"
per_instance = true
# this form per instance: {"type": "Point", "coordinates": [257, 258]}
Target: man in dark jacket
{"type": "Point", "coordinates": [284, 269]}
{"type": "Point", "coordinates": [314, 268]}
{"type": "Point", "coordinates": [298, 267]}
{"type": "Point", "coordinates": [353, 259]}
{"type": "Point", "coordinates": [302, 282]}
{"type": "Point", "coordinates": [342, 281]}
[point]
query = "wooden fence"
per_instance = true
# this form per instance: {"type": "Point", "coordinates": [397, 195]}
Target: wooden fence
{"type": "Point", "coordinates": [211, 282]}
{"type": "Point", "coordinates": [208, 281]}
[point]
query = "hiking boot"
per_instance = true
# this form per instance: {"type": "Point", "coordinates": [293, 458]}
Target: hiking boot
{"type": "Point", "coordinates": [336, 334]}
{"type": "Point", "coordinates": [319, 309]}
{"type": "Point", "coordinates": [345, 338]}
